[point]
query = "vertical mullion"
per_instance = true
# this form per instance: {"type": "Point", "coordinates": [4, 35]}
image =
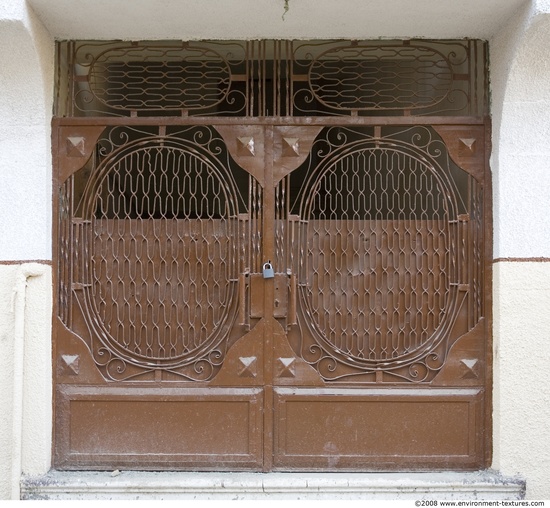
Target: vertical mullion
{"type": "Point", "coordinates": [268, 222]}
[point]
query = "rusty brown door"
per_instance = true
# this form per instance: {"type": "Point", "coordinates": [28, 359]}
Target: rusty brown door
{"type": "Point", "coordinates": [377, 316]}
{"type": "Point", "coordinates": [159, 365]}
{"type": "Point", "coordinates": [364, 351]}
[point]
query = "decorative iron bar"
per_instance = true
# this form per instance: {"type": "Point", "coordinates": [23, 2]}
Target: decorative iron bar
{"type": "Point", "coordinates": [271, 78]}
{"type": "Point", "coordinates": [476, 265]}
{"type": "Point", "coordinates": [65, 252]}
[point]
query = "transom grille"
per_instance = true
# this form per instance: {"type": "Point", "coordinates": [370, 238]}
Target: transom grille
{"type": "Point", "coordinates": [271, 78]}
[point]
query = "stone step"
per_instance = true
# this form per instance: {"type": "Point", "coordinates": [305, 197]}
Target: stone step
{"type": "Point", "coordinates": [128, 485]}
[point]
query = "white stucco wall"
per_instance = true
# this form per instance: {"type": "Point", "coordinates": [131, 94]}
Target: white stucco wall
{"type": "Point", "coordinates": [26, 83]}
{"type": "Point", "coordinates": [26, 394]}
{"type": "Point", "coordinates": [520, 68]}
{"type": "Point", "coordinates": [522, 351]}
{"type": "Point", "coordinates": [263, 19]}
{"type": "Point", "coordinates": [26, 91]}
{"type": "Point", "coordinates": [6, 381]}
{"type": "Point", "coordinates": [520, 72]}
{"type": "Point", "coordinates": [519, 35]}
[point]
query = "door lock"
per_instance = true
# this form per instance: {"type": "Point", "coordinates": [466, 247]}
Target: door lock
{"type": "Point", "coordinates": [267, 270]}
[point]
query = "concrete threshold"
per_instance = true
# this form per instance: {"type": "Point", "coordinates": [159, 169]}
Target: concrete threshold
{"type": "Point", "coordinates": [129, 485]}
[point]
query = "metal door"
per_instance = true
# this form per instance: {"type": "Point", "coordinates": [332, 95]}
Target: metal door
{"type": "Point", "coordinates": [158, 366]}
{"type": "Point", "coordinates": [357, 171]}
{"type": "Point", "coordinates": [379, 238]}
{"type": "Point", "coordinates": [174, 350]}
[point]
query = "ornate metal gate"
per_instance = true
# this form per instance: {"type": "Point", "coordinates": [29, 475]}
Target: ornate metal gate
{"type": "Point", "coordinates": [182, 169]}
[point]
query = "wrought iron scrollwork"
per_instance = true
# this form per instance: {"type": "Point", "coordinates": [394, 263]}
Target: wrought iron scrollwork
{"type": "Point", "coordinates": [271, 78]}
{"type": "Point", "coordinates": [382, 254]}
{"type": "Point", "coordinates": [156, 253]}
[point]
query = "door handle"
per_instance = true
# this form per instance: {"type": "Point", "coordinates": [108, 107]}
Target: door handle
{"type": "Point", "coordinates": [292, 303]}
{"type": "Point", "coordinates": [242, 298]}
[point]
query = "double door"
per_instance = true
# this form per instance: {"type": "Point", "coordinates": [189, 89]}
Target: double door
{"type": "Point", "coordinates": [270, 297]}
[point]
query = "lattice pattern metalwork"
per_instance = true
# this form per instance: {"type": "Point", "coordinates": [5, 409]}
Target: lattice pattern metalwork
{"type": "Point", "coordinates": [162, 231]}
{"type": "Point", "coordinates": [385, 261]}
{"type": "Point", "coordinates": [271, 78]}
{"type": "Point", "coordinates": [159, 238]}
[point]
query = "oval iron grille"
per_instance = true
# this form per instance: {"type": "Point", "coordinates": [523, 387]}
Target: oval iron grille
{"type": "Point", "coordinates": [386, 78]}
{"type": "Point", "coordinates": [157, 254]}
{"type": "Point", "coordinates": [380, 78]}
{"type": "Point", "coordinates": [378, 268]}
{"type": "Point", "coordinates": [152, 78]}
{"type": "Point", "coordinates": [149, 78]}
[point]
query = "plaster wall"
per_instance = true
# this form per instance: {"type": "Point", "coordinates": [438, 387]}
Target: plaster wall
{"type": "Point", "coordinates": [263, 19]}
{"type": "Point", "coordinates": [26, 86]}
{"type": "Point", "coordinates": [7, 279]}
{"type": "Point", "coordinates": [26, 92]}
{"type": "Point", "coordinates": [522, 350]}
{"type": "Point", "coordinates": [521, 132]}
{"type": "Point", "coordinates": [25, 377]}
{"type": "Point", "coordinates": [521, 182]}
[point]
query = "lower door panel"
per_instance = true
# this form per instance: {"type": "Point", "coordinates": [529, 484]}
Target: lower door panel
{"type": "Point", "coordinates": [369, 429]}
{"type": "Point", "coordinates": [168, 428]}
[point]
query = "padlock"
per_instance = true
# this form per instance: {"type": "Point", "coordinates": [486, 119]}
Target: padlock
{"type": "Point", "coordinates": [268, 270]}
